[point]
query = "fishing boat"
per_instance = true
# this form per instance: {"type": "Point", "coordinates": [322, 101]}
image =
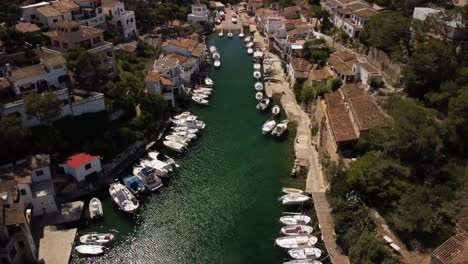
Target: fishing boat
{"type": "Point", "coordinates": [95, 208]}
{"type": "Point", "coordinates": [297, 230]}
{"type": "Point", "coordinates": [303, 261]}
{"type": "Point", "coordinates": [134, 184]}
{"type": "Point", "coordinates": [257, 75]}
{"type": "Point", "coordinates": [249, 45]}
{"type": "Point", "coordinates": [292, 190]}
{"type": "Point", "coordinates": [241, 35]}
{"type": "Point", "coordinates": [199, 100]}
{"type": "Point", "coordinates": [305, 253]}
{"type": "Point", "coordinates": [268, 126]}
{"type": "Point", "coordinates": [258, 86]}
{"type": "Point", "coordinates": [124, 199]}
{"type": "Point", "coordinates": [213, 49]}
{"type": "Point", "coordinates": [91, 250]}
{"type": "Point", "coordinates": [247, 39]}
{"type": "Point", "coordinates": [216, 56]}
{"type": "Point", "coordinates": [295, 219]}
{"type": "Point", "coordinates": [208, 81]}
{"type": "Point", "coordinates": [257, 66]}
{"type": "Point", "coordinates": [296, 241]}
{"type": "Point", "coordinates": [279, 129]}
{"type": "Point", "coordinates": [95, 238]}
{"type": "Point", "coordinates": [175, 146]}
{"type": "Point", "coordinates": [275, 110]}
{"type": "Point", "coordinates": [250, 51]}
{"type": "Point", "coordinates": [259, 96]}
{"type": "Point", "coordinates": [217, 63]}
{"type": "Point", "coordinates": [263, 104]}
{"type": "Point", "coordinates": [148, 176]}
{"type": "Point", "coordinates": [288, 199]}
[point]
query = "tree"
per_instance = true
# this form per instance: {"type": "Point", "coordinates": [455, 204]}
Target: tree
{"type": "Point", "coordinates": [369, 250]}
{"type": "Point", "coordinates": [10, 13]}
{"type": "Point", "coordinates": [85, 67]}
{"type": "Point", "coordinates": [334, 83]}
{"type": "Point", "coordinates": [13, 138]}
{"type": "Point", "coordinates": [307, 94]}
{"type": "Point", "coordinates": [46, 107]}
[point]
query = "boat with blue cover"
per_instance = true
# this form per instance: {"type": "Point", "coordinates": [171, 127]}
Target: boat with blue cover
{"type": "Point", "coordinates": [134, 184]}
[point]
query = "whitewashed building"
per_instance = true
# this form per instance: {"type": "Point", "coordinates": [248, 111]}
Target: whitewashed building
{"type": "Point", "coordinates": [81, 166]}
{"type": "Point", "coordinates": [200, 13]}
{"type": "Point", "coordinates": [169, 68]}
{"type": "Point", "coordinates": [123, 21]}
{"type": "Point", "coordinates": [367, 73]}
{"type": "Point", "coordinates": [159, 85]}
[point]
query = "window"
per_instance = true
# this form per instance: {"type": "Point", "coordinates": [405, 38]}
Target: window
{"type": "Point", "coordinates": [99, 10]}
{"type": "Point", "coordinates": [23, 192]}
{"type": "Point", "coordinates": [87, 166]}
{"type": "Point", "coordinates": [97, 40]}
{"type": "Point", "coordinates": [21, 244]}
{"type": "Point", "coordinates": [12, 253]}
{"type": "Point", "coordinates": [39, 173]}
{"type": "Point", "coordinates": [33, 17]}
{"type": "Point", "coordinates": [64, 45]}
{"type": "Point", "coordinates": [56, 43]}
{"type": "Point", "coordinates": [55, 20]}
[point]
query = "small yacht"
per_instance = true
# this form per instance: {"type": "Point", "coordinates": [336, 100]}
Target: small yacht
{"type": "Point", "coordinates": [247, 39]}
{"type": "Point", "coordinates": [263, 104]}
{"type": "Point", "coordinates": [213, 49]}
{"type": "Point", "coordinates": [216, 56]}
{"type": "Point", "coordinates": [295, 219]}
{"type": "Point", "coordinates": [257, 75]}
{"type": "Point", "coordinates": [123, 198]}
{"type": "Point", "coordinates": [268, 126]}
{"type": "Point", "coordinates": [296, 241]}
{"type": "Point", "coordinates": [199, 100]}
{"type": "Point", "coordinates": [257, 66]}
{"type": "Point", "coordinates": [208, 81]}
{"type": "Point", "coordinates": [95, 238]}
{"type": "Point", "coordinates": [217, 64]}
{"type": "Point", "coordinates": [303, 261]}
{"type": "Point", "coordinates": [95, 208]}
{"type": "Point", "coordinates": [258, 86]}
{"type": "Point", "coordinates": [175, 146]}
{"type": "Point", "coordinates": [190, 136]}
{"type": "Point", "coordinates": [134, 184]}
{"type": "Point", "coordinates": [250, 51]}
{"type": "Point", "coordinates": [297, 230]}
{"type": "Point", "coordinates": [91, 250]}
{"type": "Point", "coordinates": [149, 177]}
{"type": "Point", "coordinates": [305, 253]}
{"type": "Point", "coordinates": [259, 96]}
{"type": "Point", "coordinates": [241, 35]}
{"type": "Point", "coordinates": [292, 191]}
{"type": "Point", "coordinates": [288, 199]}
{"type": "Point", "coordinates": [279, 129]}
{"type": "Point", "coordinates": [275, 110]}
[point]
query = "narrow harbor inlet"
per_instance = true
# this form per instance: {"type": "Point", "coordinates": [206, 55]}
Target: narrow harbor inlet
{"type": "Point", "coordinates": [221, 205]}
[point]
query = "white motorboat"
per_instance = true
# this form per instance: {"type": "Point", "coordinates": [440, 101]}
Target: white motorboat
{"type": "Point", "coordinates": [199, 100]}
{"type": "Point", "coordinates": [216, 56]}
{"type": "Point", "coordinates": [175, 146]}
{"type": "Point", "coordinates": [268, 126]}
{"type": "Point", "coordinates": [258, 96]}
{"type": "Point", "coordinates": [279, 129]}
{"type": "Point", "coordinates": [257, 75]}
{"type": "Point", "coordinates": [154, 155]}
{"type": "Point", "coordinates": [294, 198]}
{"type": "Point", "coordinates": [247, 39]}
{"type": "Point", "coordinates": [183, 119]}
{"type": "Point", "coordinates": [95, 208]}
{"type": "Point", "coordinates": [205, 89]}
{"type": "Point", "coordinates": [201, 95]}
{"type": "Point", "coordinates": [184, 115]}
{"type": "Point", "coordinates": [124, 199]}
{"type": "Point", "coordinates": [263, 104]}
{"type": "Point", "coordinates": [149, 176]}
{"type": "Point", "coordinates": [249, 45]}
{"type": "Point", "coordinates": [258, 86]}
{"type": "Point", "coordinates": [95, 238]}
{"type": "Point", "coordinates": [250, 51]}
{"type": "Point", "coordinates": [234, 20]}
{"type": "Point", "coordinates": [230, 35]}
{"type": "Point", "coordinates": [257, 66]}
{"type": "Point", "coordinates": [213, 49]}
{"type": "Point", "coordinates": [268, 61]}
{"type": "Point", "coordinates": [295, 219]}
{"type": "Point", "coordinates": [241, 35]}
{"type": "Point", "coordinates": [275, 110]}
{"type": "Point", "coordinates": [185, 129]}
{"type": "Point", "coordinates": [303, 261]}
{"type": "Point", "coordinates": [208, 81]}
{"type": "Point", "coordinates": [305, 253]}
{"type": "Point", "coordinates": [296, 241]}
{"type": "Point", "coordinates": [221, 34]}
{"type": "Point", "coordinates": [191, 123]}
{"type": "Point", "coordinates": [218, 21]}
{"type": "Point", "coordinates": [291, 190]}
{"type": "Point", "coordinates": [179, 139]}
{"type": "Point", "coordinates": [217, 63]}
{"type": "Point", "coordinates": [297, 230]}
{"type": "Point", "coordinates": [204, 92]}
{"type": "Point", "coordinates": [185, 134]}
{"type": "Point", "coordinates": [90, 249]}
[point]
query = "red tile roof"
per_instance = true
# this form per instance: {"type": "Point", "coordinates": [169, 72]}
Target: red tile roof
{"type": "Point", "coordinates": [24, 27]}
{"type": "Point", "coordinates": [453, 251]}
{"type": "Point", "coordinates": [79, 160]}
{"type": "Point", "coordinates": [339, 119]}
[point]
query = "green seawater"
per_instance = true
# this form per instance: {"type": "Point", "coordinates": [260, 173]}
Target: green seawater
{"type": "Point", "coordinates": [221, 205]}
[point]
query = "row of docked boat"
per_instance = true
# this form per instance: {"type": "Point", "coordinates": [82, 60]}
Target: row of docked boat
{"type": "Point", "coordinates": [216, 57]}
{"type": "Point", "coordinates": [298, 238]}
{"type": "Point", "coordinates": [186, 128]}
{"type": "Point", "coordinates": [201, 95]}
{"type": "Point", "coordinates": [94, 243]}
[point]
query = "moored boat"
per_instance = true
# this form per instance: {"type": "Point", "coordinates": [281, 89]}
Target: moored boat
{"type": "Point", "coordinates": [134, 184]}
{"type": "Point", "coordinates": [250, 51]}
{"type": "Point", "coordinates": [247, 39]}
{"type": "Point", "coordinates": [295, 219]}
{"type": "Point", "coordinates": [292, 190]}
{"type": "Point", "coordinates": [297, 230]}
{"type": "Point", "coordinates": [305, 253]}
{"type": "Point", "coordinates": [249, 45]}
{"type": "Point", "coordinates": [268, 126]}
{"type": "Point", "coordinates": [258, 96]}
{"type": "Point", "coordinates": [96, 238]}
{"type": "Point", "coordinates": [95, 208]}
{"type": "Point", "coordinates": [199, 100]}
{"type": "Point", "coordinates": [294, 199]}
{"type": "Point", "coordinates": [303, 261]}
{"type": "Point", "coordinates": [230, 35]}
{"type": "Point", "coordinates": [258, 86]}
{"type": "Point", "coordinates": [296, 241]}
{"type": "Point", "coordinates": [216, 56]}
{"type": "Point", "coordinates": [221, 34]}
{"type": "Point", "coordinates": [91, 250]}
{"type": "Point", "coordinates": [241, 35]}
{"type": "Point", "coordinates": [149, 177]}
{"type": "Point", "coordinates": [263, 104]}
{"type": "Point", "coordinates": [208, 81]}
{"type": "Point", "coordinates": [123, 198]}
{"type": "Point", "coordinates": [175, 146]}
{"type": "Point", "coordinates": [161, 157]}
{"type": "Point", "coordinates": [257, 75]}
{"type": "Point", "coordinates": [213, 49]}
{"type": "Point", "coordinates": [279, 129]}
{"type": "Point", "coordinates": [217, 63]}
{"type": "Point", "coordinates": [257, 66]}
{"type": "Point", "coordinates": [275, 110]}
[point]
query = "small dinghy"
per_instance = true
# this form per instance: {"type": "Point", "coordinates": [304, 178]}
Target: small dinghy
{"type": "Point", "coordinates": [230, 35]}
{"type": "Point", "coordinates": [175, 146]}
{"type": "Point", "coordinates": [257, 75]}
{"type": "Point", "coordinates": [302, 261]}
{"type": "Point", "coordinates": [241, 35]}
{"type": "Point", "coordinates": [199, 100]}
{"type": "Point", "coordinates": [247, 39]}
{"type": "Point", "coordinates": [268, 126]}
{"type": "Point", "coordinates": [250, 51]}
{"type": "Point", "coordinates": [296, 241]}
{"type": "Point", "coordinates": [134, 184]}
{"type": "Point", "coordinates": [293, 199]}
{"type": "Point", "coordinates": [263, 104]}
{"type": "Point", "coordinates": [257, 66]}
{"type": "Point", "coordinates": [275, 110]}
{"type": "Point", "coordinates": [96, 238]}
{"type": "Point", "coordinates": [258, 86]}
{"type": "Point", "coordinates": [123, 198]}
{"type": "Point", "coordinates": [292, 190]}
{"type": "Point", "coordinates": [297, 230]}
{"type": "Point", "coordinates": [216, 56]}
{"type": "Point", "coordinates": [208, 81]}
{"type": "Point", "coordinates": [305, 253]}
{"type": "Point", "coordinates": [295, 219]}
{"type": "Point", "coordinates": [91, 250]}
{"type": "Point", "coordinates": [258, 96]}
{"type": "Point", "coordinates": [213, 49]}
{"type": "Point", "coordinates": [217, 63]}
{"type": "Point", "coordinates": [249, 45]}
{"type": "Point", "coordinates": [221, 34]}
{"type": "Point", "coordinates": [279, 129]}
{"type": "Point", "coordinates": [95, 208]}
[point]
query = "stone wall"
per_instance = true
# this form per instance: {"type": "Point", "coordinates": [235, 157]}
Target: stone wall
{"type": "Point", "coordinates": [393, 73]}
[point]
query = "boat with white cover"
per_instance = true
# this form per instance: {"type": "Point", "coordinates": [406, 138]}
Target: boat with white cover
{"type": "Point", "coordinates": [199, 100]}
{"type": "Point", "coordinates": [175, 146]}
{"type": "Point", "coordinates": [124, 199]}
{"type": "Point", "coordinates": [250, 51]}
{"type": "Point", "coordinates": [275, 110]}
{"type": "Point", "coordinates": [295, 219]}
{"type": "Point", "coordinates": [280, 128]}
{"type": "Point", "coordinates": [257, 75]}
{"type": "Point", "coordinates": [296, 241]}
{"type": "Point", "coordinates": [303, 261]}
{"type": "Point", "coordinates": [258, 86]}
{"type": "Point", "coordinates": [241, 35]}
{"type": "Point", "coordinates": [216, 56]}
{"type": "Point", "coordinates": [247, 39]}
{"type": "Point", "coordinates": [297, 230]}
{"type": "Point", "coordinates": [257, 66]}
{"type": "Point", "coordinates": [217, 63]}
{"type": "Point", "coordinates": [263, 104]}
{"type": "Point", "coordinates": [213, 49]}
{"type": "Point", "coordinates": [293, 198]}
{"type": "Point", "coordinates": [95, 208]}
{"type": "Point", "coordinates": [91, 250]}
{"type": "Point", "coordinates": [149, 176]}
{"type": "Point", "coordinates": [292, 190]}
{"type": "Point", "coordinates": [249, 45]}
{"type": "Point", "coordinates": [305, 253]}
{"type": "Point", "coordinates": [95, 238]}
{"type": "Point", "coordinates": [205, 89]}
{"type": "Point", "coordinates": [268, 126]}
{"type": "Point", "coordinates": [258, 96]}
{"type": "Point", "coordinates": [208, 81]}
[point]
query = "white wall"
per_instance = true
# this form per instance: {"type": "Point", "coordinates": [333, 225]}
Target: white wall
{"type": "Point", "coordinates": [46, 174]}
{"type": "Point", "coordinates": [177, 50]}
{"type": "Point", "coordinates": [80, 173]}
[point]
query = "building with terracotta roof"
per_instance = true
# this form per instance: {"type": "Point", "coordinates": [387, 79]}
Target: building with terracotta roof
{"type": "Point", "coordinates": [188, 48]}
{"type": "Point", "coordinates": [452, 251]}
{"type": "Point", "coordinates": [82, 166]}
{"type": "Point", "coordinates": [170, 69]}
{"type": "Point", "coordinates": [122, 20]}
{"type": "Point", "coordinates": [292, 12]}
{"type": "Point", "coordinates": [298, 69]}
{"type": "Point", "coordinates": [157, 84]}
{"type": "Point", "coordinates": [44, 14]}
{"type": "Point", "coordinates": [341, 63]}
{"type": "Point", "coordinates": [367, 73]}
{"type": "Point", "coordinates": [318, 76]}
